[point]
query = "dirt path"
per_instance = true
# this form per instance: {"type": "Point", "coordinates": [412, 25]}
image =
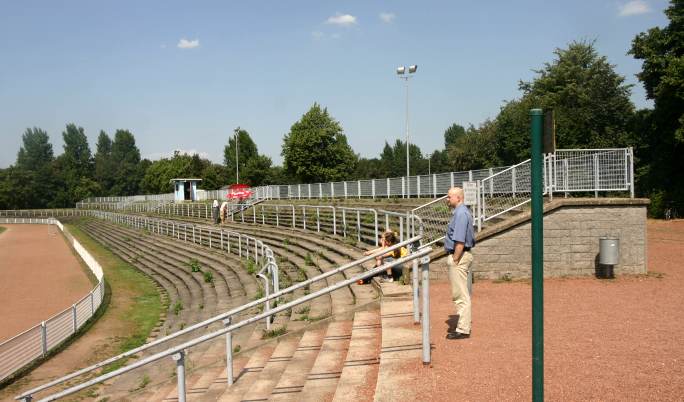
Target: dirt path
{"type": "Point", "coordinates": [619, 339]}
{"type": "Point", "coordinates": [39, 277]}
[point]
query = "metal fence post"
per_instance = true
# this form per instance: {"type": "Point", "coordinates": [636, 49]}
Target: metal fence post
{"type": "Point", "coordinates": [403, 187]}
{"type": "Point", "coordinates": [358, 225]}
{"type": "Point", "coordinates": [373, 188]}
{"type": "Point", "coordinates": [388, 188]}
{"type": "Point", "coordinates": [43, 338]}
{"type": "Point", "coordinates": [73, 313]}
{"type": "Point", "coordinates": [179, 358]}
{"type": "Point", "coordinates": [415, 284]}
{"type": "Point", "coordinates": [229, 353]}
{"type": "Point", "coordinates": [434, 185]}
{"type": "Point", "coordinates": [631, 172]}
{"type": "Point", "coordinates": [345, 189]}
{"type": "Point", "coordinates": [358, 188]}
{"type": "Point", "coordinates": [425, 271]}
{"type": "Point", "coordinates": [596, 176]}
{"type": "Point", "coordinates": [318, 219]}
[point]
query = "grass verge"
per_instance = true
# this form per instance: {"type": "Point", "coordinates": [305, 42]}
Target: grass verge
{"type": "Point", "coordinates": [136, 303]}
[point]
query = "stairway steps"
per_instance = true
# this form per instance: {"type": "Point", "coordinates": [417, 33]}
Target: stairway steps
{"type": "Point", "coordinates": [282, 356]}
{"type": "Point", "coordinates": [246, 377]}
{"type": "Point", "coordinates": [401, 343]}
{"type": "Point", "coordinates": [361, 364]}
{"type": "Point", "coordinates": [325, 373]}
{"type": "Point", "coordinates": [293, 378]}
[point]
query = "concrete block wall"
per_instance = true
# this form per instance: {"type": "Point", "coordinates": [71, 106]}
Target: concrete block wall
{"type": "Point", "coordinates": [571, 242]}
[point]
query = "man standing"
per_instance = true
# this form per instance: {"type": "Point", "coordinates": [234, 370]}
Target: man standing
{"type": "Point", "coordinates": [459, 239]}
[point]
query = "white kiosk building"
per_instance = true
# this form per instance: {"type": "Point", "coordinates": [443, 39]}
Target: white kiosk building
{"type": "Point", "coordinates": [185, 189]}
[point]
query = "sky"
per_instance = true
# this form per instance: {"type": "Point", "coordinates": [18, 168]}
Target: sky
{"type": "Point", "coordinates": [183, 75]}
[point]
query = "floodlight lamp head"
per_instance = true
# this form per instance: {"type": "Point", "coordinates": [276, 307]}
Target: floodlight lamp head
{"type": "Point", "coordinates": [413, 68]}
{"type": "Point", "coordinates": [401, 70]}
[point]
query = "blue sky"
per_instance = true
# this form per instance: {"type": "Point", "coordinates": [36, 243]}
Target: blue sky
{"type": "Point", "coordinates": [183, 75]}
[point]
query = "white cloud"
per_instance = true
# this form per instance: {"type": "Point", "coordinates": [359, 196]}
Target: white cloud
{"type": "Point", "coordinates": [387, 18]}
{"type": "Point", "coordinates": [343, 20]}
{"type": "Point", "coordinates": [188, 44]}
{"type": "Point", "coordinates": [634, 7]}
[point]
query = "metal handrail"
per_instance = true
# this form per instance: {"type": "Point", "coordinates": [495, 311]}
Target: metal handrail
{"type": "Point", "coordinates": [266, 314]}
{"type": "Point", "coordinates": [219, 317]}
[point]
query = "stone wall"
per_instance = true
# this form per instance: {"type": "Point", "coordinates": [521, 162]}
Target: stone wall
{"type": "Point", "coordinates": [572, 228]}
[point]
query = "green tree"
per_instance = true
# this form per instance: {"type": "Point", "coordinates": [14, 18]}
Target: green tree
{"type": "Point", "coordinates": [590, 100]}
{"type": "Point", "coordinates": [452, 133]}
{"type": "Point", "coordinates": [393, 160]}
{"type": "Point", "coordinates": [75, 168]}
{"type": "Point", "coordinates": [661, 130]}
{"type": "Point", "coordinates": [247, 150]}
{"type": "Point", "coordinates": [316, 149]}
{"type": "Point", "coordinates": [36, 150]}
{"type": "Point", "coordinates": [125, 159]}
{"type": "Point", "coordinates": [104, 168]}
{"type": "Point", "coordinates": [476, 149]}
{"type": "Point", "coordinates": [257, 172]}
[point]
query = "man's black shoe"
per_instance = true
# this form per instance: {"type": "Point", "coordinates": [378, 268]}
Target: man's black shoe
{"type": "Point", "coordinates": [457, 335]}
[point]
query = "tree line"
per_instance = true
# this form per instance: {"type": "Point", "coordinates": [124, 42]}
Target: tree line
{"type": "Point", "coordinates": [591, 104]}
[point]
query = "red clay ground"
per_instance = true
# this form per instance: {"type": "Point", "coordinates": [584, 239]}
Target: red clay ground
{"type": "Point", "coordinates": [39, 277]}
{"type": "Point", "coordinates": [619, 339]}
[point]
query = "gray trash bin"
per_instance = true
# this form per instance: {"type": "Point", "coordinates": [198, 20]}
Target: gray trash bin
{"type": "Point", "coordinates": [609, 255]}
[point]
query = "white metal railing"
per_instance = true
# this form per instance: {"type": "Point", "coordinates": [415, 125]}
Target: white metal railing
{"type": "Point", "coordinates": [611, 169]}
{"type": "Point", "coordinates": [37, 341]}
{"type": "Point", "coordinates": [177, 353]}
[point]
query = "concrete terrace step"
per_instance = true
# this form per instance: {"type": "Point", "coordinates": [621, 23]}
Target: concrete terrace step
{"type": "Point", "coordinates": [322, 380]}
{"type": "Point", "coordinates": [361, 364]}
{"type": "Point", "coordinates": [401, 343]}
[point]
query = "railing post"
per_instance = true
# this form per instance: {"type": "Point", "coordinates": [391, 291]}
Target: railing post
{"type": "Point", "coordinates": [425, 271]}
{"type": "Point", "coordinates": [358, 225]}
{"type": "Point", "coordinates": [358, 188]}
{"type": "Point", "coordinates": [277, 216]}
{"type": "Point", "coordinates": [229, 353]}
{"type": "Point", "coordinates": [345, 189]}
{"type": "Point", "coordinates": [318, 219]}
{"type": "Point", "coordinates": [416, 299]}
{"type": "Point", "coordinates": [373, 188]}
{"type": "Point", "coordinates": [73, 314]}
{"type": "Point", "coordinates": [596, 176]}
{"type": "Point", "coordinates": [344, 222]}
{"type": "Point", "coordinates": [388, 188]}
{"type": "Point", "coordinates": [304, 218]}
{"type": "Point", "coordinates": [417, 186]}
{"type": "Point", "coordinates": [403, 187]}
{"type": "Point", "coordinates": [43, 338]}
{"type": "Point", "coordinates": [631, 172]}
{"type": "Point", "coordinates": [179, 358]}
{"type": "Point", "coordinates": [434, 185]}
{"type": "Point", "coordinates": [334, 222]}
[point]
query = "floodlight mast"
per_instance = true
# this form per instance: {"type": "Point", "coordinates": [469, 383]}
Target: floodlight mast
{"type": "Point", "coordinates": [401, 72]}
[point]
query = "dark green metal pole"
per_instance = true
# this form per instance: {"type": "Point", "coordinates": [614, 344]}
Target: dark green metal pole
{"type": "Point", "coordinates": [537, 258]}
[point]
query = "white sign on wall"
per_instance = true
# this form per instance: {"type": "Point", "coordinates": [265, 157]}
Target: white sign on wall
{"type": "Point", "coordinates": [470, 193]}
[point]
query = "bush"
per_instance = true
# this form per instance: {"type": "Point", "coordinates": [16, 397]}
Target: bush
{"type": "Point", "coordinates": [208, 277]}
{"type": "Point", "coordinates": [194, 265]}
{"type": "Point", "coordinates": [177, 307]}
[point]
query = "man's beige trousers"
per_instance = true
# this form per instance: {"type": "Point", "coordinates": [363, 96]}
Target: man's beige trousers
{"type": "Point", "coordinates": [458, 276]}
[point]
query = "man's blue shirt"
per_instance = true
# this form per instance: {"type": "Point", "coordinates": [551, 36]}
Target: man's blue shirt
{"type": "Point", "coordinates": [460, 229]}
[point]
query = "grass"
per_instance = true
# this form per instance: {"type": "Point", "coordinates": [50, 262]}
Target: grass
{"type": "Point", "coordinates": [504, 278]}
{"type": "Point", "coordinates": [194, 265]}
{"type": "Point", "coordinates": [177, 307]}
{"type": "Point", "coordinates": [2, 229]}
{"type": "Point", "coordinates": [136, 303]}
{"type": "Point", "coordinates": [208, 277]}
{"type": "Point", "coordinates": [237, 349]}
{"type": "Point", "coordinates": [250, 266]}
{"type": "Point", "coordinates": [308, 260]}
{"type": "Point", "coordinates": [144, 381]}
{"type": "Point", "coordinates": [273, 333]}
{"type": "Point", "coordinates": [303, 310]}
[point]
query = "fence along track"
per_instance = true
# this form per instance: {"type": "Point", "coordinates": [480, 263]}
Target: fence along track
{"type": "Point", "coordinates": [37, 341]}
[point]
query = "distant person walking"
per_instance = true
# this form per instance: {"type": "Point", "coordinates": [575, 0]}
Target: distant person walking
{"type": "Point", "coordinates": [215, 211]}
{"type": "Point", "coordinates": [459, 240]}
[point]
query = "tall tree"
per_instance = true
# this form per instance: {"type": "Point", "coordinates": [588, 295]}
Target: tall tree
{"type": "Point", "coordinates": [452, 133]}
{"type": "Point", "coordinates": [662, 139]}
{"type": "Point", "coordinates": [36, 150]}
{"type": "Point", "coordinates": [104, 169]}
{"type": "Point", "coordinates": [475, 149]}
{"type": "Point", "coordinates": [316, 149]}
{"type": "Point", "coordinates": [75, 168]}
{"type": "Point", "coordinates": [590, 100]}
{"type": "Point", "coordinates": [125, 160]}
{"type": "Point", "coordinates": [246, 148]}
{"type": "Point", "coordinates": [393, 160]}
